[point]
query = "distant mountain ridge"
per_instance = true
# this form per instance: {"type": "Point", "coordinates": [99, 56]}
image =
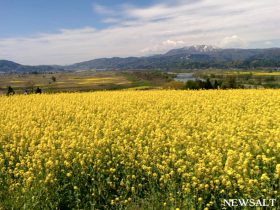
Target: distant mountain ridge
{"type": "Point", "coordinates": [192, 57]}
{"type": "Point", "coordinates": [10, 67]}
{"type": "Point", "coordinates": [197, 56]}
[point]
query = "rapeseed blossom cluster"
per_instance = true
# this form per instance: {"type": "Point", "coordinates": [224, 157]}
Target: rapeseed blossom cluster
{"type": "Point", "coordinates": [122, 149]}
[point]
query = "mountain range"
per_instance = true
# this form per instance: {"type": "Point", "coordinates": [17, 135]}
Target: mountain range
{"type": "Point", "coordinates": [192, 57]}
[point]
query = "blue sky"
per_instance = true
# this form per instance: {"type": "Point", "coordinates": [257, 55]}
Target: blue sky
{"type": "Point", "coordinates": [28, 17]}
{"type": "Point", "coordinates": [68, 31]}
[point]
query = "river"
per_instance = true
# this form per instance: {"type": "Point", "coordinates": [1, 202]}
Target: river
{"type": "Point", "coordinates": [184, 77]}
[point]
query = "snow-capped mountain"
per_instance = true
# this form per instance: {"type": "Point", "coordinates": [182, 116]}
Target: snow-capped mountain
{"type": "Point", "coordinates": [193, 57]}
{"type": "Point", "coordinates": [195, 49]}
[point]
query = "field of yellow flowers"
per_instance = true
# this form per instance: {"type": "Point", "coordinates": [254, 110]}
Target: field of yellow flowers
{"type": "Point", "coordinates": [139, 149]}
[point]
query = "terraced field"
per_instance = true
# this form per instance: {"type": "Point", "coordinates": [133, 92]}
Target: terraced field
{"type": "Point", "coordinates": [64, 82]}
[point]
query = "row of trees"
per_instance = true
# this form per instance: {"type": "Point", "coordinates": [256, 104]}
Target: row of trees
{"type": "Point", "coordinates": [228, 83]}
{"type": "Point", "coordinates": [10, 91]}
{"type": "Point", "coordinates": [29, 87]}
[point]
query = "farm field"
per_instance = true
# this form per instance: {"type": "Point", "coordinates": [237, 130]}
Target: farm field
{"type": "Point", "coordinates": [63, 81]}
{"type": "Point", "coordinates": [82, 81]}
{"type": "Point", "coordinates": [139, 149]}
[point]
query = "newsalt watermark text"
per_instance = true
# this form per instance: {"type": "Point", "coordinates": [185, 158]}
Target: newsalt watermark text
{"type": "Point", "coordinates": [250, 202]}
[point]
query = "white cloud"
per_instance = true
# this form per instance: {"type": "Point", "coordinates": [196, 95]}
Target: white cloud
{"type": "Point", "coordinates": [268, 42]}
{"type": "Point", "coordinates": [102, 10]}
{"type": "Point", "coordinates": [172, 43]}
{"type": "Point", "coordinates": [164, 46]}
{"type": "Point", "coordinates": [111, 20]}
{"type": "Point", "coordinates": [232, 42]}
{"type": "Point", "coordinates": [138, 31]}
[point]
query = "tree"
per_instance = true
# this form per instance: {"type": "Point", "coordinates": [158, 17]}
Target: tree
{"type": "Point", "coordinates": [208, 84]}
{"type": "Point", "coordinates": [216, 85]}
{"type": "Point", "coordinates": [10, 91]}
{"type": "Point", "coordinates": [192, 85]}
{"type": "Point", "coordinates": [201, 84]}
{"type": "Point", "coordinates": [232, 82]}
{"type": "Point", "coordinates": [53, 78]}
{"type": "Point", "coordinates": [38, 90]}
